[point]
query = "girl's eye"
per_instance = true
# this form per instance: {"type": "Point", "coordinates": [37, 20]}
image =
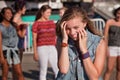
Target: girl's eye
{"type": "Point", "coordinates": [67, 28]}
{"type": "Point", "coordinates": [76, 27]}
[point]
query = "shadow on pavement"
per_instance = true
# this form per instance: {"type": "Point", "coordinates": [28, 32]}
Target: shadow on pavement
{"type": "Point", "coordinates": [32, 74]}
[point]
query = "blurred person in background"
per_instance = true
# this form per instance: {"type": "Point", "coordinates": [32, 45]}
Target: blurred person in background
{"type": "Point", "coordinates": [88, 6]}
{"type": "Point", "coordinates": [44, 41]}
{"type": "Point", "coordinates": [20, 8]}
{"type": "Point", "coordinates": [8, 45]}
{"type": "Point", "coordinates": [112, 36]}
{"type": "Point", "coordinates": [62, 11]}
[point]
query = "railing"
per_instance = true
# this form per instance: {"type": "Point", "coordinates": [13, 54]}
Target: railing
{"type": "Point", "coordinates": [98, 22]}
{"type": "Point", "coordinates": [28, 39]}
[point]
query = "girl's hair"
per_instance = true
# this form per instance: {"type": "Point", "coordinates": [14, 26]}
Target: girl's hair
{"type": "Point", "coordinates": [115, 11]}
{"type": "Point", "coordinates": [74, 12]}
{"type": "Point", "coordinates": [19, 4]}
{"type": "Point", "coordinates": [42, 10]}
{"type": "Point", "coordinates": [2, 13]}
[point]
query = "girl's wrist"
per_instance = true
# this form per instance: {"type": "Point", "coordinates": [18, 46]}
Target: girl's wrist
{"type": "Point", "coordinates": [64, 44]}
{"type": "Point", "coordinates": [64, 41]}
{"type": "Point", "coordinates": [85, 55]}
{"type": "Point", "coordinates": [84, 51]}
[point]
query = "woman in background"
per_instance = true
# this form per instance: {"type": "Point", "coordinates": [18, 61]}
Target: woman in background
{"type": "Point", "coordinates": [112, 36]}
{"type": "Point", "coordinates": [8, 45]}
{"type": "Point", "coordinates": [20, 9]}
{"type": "Point", "coordinates": [44, 41]}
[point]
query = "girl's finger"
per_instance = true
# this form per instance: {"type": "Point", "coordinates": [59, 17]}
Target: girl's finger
{"type": "Point", "coordinates": [84, 32]}
{"type": "Point", "coordinates": [79, 35]}
{"type": "Point", "coordinates": [62, 25]}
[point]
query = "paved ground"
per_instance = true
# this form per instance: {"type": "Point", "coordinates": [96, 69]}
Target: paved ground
{"type": "Point", "coordinates": [31, 70]}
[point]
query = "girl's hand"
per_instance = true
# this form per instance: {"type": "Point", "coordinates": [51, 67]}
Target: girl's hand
{"type": "Point", "coordinates": [63, 31]}
{"type": "Point", "coordinates": [35, 57]}
{"type": "Point", "coordinates": [2, 60]}
{"type": "Point", "coordinates": [82, 36]}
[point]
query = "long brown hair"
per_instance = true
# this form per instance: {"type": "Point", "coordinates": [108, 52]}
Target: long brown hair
{"type": "Point", "coordinates": [19, 4]}
{"type": "Point", "coordinates": [115, 11]}
{"type": "Point", "coordinates": [77, 12]}
{"type": "Point", "coordinates": [42, 10]}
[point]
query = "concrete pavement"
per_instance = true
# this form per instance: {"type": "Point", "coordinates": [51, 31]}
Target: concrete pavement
{"type": "Point", "coordinates": [31, 69]}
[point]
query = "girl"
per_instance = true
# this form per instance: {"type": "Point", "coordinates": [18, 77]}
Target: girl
{"type": "Point", "coordinates": [20, 9]}
{"type": "Point", "coordinates": [44, 41]}
{"type": "Point", "coordinates": [8, 45]}
{"type": "Point", "coordinates": [112, 36]}
{"type": "Point", "coordinates": [78, 47]}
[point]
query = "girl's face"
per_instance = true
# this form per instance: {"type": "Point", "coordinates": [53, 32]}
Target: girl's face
{"type": "Point", "coordinates": [46, 14]}
{"type": "Point", "coordinates": [118, 15]}
{"type": "Point", "coordinates": [23, 10]}
{"type": "Point", "coordinates": [8, 14]}
{"type": "Point", "coordinates": [73, 26]}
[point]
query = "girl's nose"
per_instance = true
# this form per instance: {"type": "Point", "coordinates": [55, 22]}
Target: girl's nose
{"type": "Point", "coordinates": [72, 31]}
